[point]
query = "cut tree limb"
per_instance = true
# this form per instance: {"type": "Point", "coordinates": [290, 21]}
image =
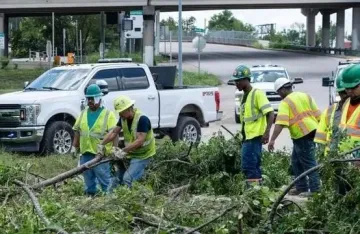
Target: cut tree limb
{"type": "Point", "coordinates": [71, 173]}
{"type": "Point", "coordinates": [212, 220]}
{"type": "Point", "coordinates": [38, 209]}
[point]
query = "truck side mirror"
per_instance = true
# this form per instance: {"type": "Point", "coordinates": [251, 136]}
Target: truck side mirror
{"type": "Point", "coordinates": [231, 82]}
{"type": "Point", "coordinates": [326, 82]}
{"type": "Point", "coordinates": [103, 86]}
{"type": "Point", "coordinates": [26, 83]}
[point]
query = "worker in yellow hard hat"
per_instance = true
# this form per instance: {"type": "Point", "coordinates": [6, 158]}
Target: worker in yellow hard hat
{"type": "Point", "coordinates": [139, 141]}
{"type": "Point", "coordinates": [90, 128]}
{"type": "Point", "coordinates": [298, 112]}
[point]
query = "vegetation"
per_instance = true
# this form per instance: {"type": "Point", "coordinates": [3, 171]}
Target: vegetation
{"type": "Point", "coordinates": [193, 78]}
{"type": "Point", "coordinates": [226, 21]}
{"type": "Point", "coordinates": [201, 191]}
{"type": "Point", "coordinates": [13, 79]}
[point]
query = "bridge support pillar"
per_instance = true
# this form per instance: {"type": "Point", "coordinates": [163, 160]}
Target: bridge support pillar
{"type": "Point", "coordinates": [4, 31]}
{"type": "Point", "coordinates": [149, 18]}
{"type": "Point", "coordinates": [325, 29]}
{"type": "Point", "coordinates": [356, 29]}
{"type": "Point", "coordinates": [157, 36]}
{"type": "Point", "coordinates": [340, 28]}
{"type": "Point", "coordinates": [310, 25]}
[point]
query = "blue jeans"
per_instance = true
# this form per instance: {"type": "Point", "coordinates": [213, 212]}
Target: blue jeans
{"type": "Point", "coordinates": [302, 159]}
{"type": "Point", "coordinates": [126, 176]}
{"type": "Point", "coordinates": [100, 173]}
{"type": "Point", "coordinates": [251, 159]}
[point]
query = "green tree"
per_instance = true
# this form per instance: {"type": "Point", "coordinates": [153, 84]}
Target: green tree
{"type": "Point", "coordinates": [226, 21]}
{"type": "Point", "coordinates": [169, 22]}
{"type": "Point", "coordinates": [189, 24]}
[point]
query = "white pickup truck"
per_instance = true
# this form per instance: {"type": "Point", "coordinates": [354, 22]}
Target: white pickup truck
{"type": "Point", "coordinates": [40, 118]}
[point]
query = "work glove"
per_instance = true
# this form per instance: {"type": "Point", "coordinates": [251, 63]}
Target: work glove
{"type": "Point", "coordinates": [118, 153]}
{"type": "Point", "coordinates": [100, 150]}
{"type": "Point", "coordinates": [74, 151]}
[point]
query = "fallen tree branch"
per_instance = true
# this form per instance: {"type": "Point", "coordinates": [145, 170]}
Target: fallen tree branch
{"type": "Point", "coordinates": [304, 174]}
{"type": "Point", "coordinates": [212, 220]}
{"type": "Point", "coordinates": [71, 173]}
{"type": "Point", "coordinates": [37, 207]}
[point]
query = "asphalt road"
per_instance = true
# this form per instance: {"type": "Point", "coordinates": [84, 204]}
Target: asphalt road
{"type": "Point", "coordinates": [221, 60]}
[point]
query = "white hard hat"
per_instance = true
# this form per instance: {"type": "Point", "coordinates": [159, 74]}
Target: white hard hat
{"type": "Point", "coordinates": [281, 82]}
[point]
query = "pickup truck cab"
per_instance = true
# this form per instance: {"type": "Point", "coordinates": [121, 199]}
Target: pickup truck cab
{"type": "Point", "coordinates": [40, 117]}
{"type": "Point", "coordinates": [330, 82]}
{"type": "Point", "coordinates": [263, 78]}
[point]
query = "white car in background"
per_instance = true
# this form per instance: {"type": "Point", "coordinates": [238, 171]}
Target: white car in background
{"type": "Point", "coordinates": [327, 82]}
{"type": "Point", "coordinates": [263, 78]}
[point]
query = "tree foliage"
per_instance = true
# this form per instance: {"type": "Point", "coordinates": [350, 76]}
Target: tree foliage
{"type": "Point", "coordinates": [226, 21]}
{"type": "Point", "coordinates": [188, 24]}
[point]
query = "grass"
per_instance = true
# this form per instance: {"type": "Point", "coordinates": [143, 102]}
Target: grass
{"type": "Point", "coordinates": [11, 79]}
{"type": "Point", "coordinates": [193, 78]}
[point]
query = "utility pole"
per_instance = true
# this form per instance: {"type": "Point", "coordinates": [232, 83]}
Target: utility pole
{"type": "Point", "coordinates": [53, 34]}
{"type": "Point", "coordinates": [77, 38]}
{"type": "Point", "coordinates": [180, 43]}
{"type": "Point", "coordinates": [64, 39]}
{"type": "Point", "coordinates": [80, 46]}
{"type": "Point", "coordinates": [102, 35]}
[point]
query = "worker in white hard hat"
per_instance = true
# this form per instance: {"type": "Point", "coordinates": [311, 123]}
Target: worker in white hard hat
{"type": "Point", "coordinates": [298, 112]}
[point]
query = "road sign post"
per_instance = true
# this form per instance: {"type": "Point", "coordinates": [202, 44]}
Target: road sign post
{"type": "Point", "coordinates": [199, 43]}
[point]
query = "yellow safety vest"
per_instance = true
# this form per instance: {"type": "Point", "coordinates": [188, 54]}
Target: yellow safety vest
{"type": "Point", "coordinates": [253, 115]}
{"type": "Point", "coordinates": [351, 127]}
{"type": "Point", "coordinates": [325, 129]}
{"type": "Point", "coordinates": [148, 149]}
{"type": "Point", "coordinates": [90, 138]}
{"type": "Point", "coordinates": [298, 112]}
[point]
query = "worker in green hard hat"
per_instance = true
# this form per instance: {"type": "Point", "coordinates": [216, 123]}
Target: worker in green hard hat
{"type": "Point", "coordinates": [90, 128]}
{"type": "Point", "coordinates": [256, 117]}
{"type": "Point", "coordinates": [327, 133]}
{"type": "Point", "coordinates": [330, 119]}
{"type": "Point", "coordinates": [350, 117]}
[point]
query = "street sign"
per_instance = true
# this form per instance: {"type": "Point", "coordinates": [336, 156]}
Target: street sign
{"type": "Point", "coordinates": [199, 43]}
{"type": "Point", "coordinates": [136, 12]}
{"type": "Point", "coordinates": [199, 30]}
{"type": "Point", "coordinates": [2, 41]}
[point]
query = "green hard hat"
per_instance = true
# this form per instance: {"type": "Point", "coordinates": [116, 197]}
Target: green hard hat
{"type": "Point", "coordinates": [351, 76]}
{"type": "Point", "coordinates": [241, 72]}
{"type": "Point", "coordinates": [93, 91]}
{"type": "Point", "coordinates": [339, 82]}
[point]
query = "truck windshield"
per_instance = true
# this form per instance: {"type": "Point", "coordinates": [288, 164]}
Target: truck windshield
{"type": "Point", "coordinates": [59, 79]}
{"type": "Point", "coordinates": [267, 76]}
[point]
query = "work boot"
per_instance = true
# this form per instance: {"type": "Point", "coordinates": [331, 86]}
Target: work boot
{"type": "Point", "coordinates": [294, 192]}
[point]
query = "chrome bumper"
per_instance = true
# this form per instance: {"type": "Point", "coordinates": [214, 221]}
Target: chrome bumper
{"type": "Point", "coordinates": [22, 134]}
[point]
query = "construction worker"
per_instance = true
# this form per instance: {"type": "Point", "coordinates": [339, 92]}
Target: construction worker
{"type": "Point", "coordinates": [256, 117]}
{"type": "Point", "coordinates": [350, 118]}
{"type": "Point", "coordinates": [139, 141]}
{"type": "Point", "coordinates": [298, 112]}
{"type": "Point", "coordinates": [90, 128]}
{"type": "Point", "coordinates": [330, 119]}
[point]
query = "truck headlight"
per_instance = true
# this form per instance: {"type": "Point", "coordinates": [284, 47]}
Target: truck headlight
{"type": "Point", "coordinates": [29, 114]}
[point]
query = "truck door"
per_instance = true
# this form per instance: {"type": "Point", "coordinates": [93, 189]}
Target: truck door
{"type": "Point", "coordinates": [135, 84]}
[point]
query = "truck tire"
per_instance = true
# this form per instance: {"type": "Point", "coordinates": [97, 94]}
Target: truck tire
{"type": "Point", "coordinates": [58, 138]}
{"type": "Point", "coordinates": [187, 129]}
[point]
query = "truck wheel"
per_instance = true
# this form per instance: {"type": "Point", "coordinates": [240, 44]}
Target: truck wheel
{"type": "Point", "coordinates": [58, 138]}
{"type": "Point", "coordinates": [187, 129]}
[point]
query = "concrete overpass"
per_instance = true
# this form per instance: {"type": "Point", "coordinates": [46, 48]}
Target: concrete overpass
{"type": "Point", "coordinates": [310, 8]}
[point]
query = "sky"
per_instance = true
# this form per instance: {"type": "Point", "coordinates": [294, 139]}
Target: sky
{"type": "Point", "coordinates": [283, 18]}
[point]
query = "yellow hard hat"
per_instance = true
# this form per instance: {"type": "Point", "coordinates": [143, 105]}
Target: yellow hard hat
{"type": "Point", "coordinates": [122, 103]}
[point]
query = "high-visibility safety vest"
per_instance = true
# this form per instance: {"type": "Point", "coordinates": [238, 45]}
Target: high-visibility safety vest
{"type": "Point", "coordinates": [327, 125]}
{"type": "Point", "coordinates": [148, 149]}
{"type": "Point", "coordinates": [253, 114]}
{"type": "Point", "coordinates": [351, 127]}
{"type": "Point", "coordinates": [298, 112]}
{"type": "Point", "coordinates": [90, 138]}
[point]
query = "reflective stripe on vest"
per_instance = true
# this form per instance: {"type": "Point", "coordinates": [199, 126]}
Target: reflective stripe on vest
{"type": "Point", "coordinates": [352, 128]}
{"type": "Point", "coordinates": [330, 122]}
{"type": "Point", "coordinates": [298, 118]}
{"type": "Point", "coordinates": [255, 116]}
{"type": "Point", "coordinates": [100, 135]}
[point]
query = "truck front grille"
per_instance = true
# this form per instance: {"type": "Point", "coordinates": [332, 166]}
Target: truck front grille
{"type": "Point", "coordinates": [274, 99]}
{"type": "Point", "coordinates": [10, 115]}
